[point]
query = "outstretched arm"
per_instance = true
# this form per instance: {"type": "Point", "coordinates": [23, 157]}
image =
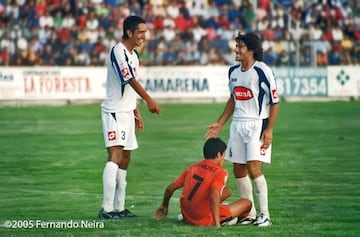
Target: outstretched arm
{"type": "Point", "coordinates": [162, 211]}
{"type": "Point", "coordinates": [215, 128]}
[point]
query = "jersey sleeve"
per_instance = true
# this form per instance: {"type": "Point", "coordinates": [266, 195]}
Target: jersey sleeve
{"type": "Point", "coordinates": [179, 181]}
{"type": "Point", "coordinates": [231, 69]}
{"type": "Point", "coordinates": [120, 62]}
{"type": "Point", "coordinates": [273, 96]}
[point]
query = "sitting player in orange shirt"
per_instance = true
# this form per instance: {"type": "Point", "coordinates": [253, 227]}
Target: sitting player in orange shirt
{"type": "Point", "coordinates": [204, 190]}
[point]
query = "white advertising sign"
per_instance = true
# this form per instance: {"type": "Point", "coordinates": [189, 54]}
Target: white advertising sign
{"type": "Point", "coordinates": [173, 83]}
{"type": "Point", "coordinates": [185, 81]}
{"type": "Point", "coordinates": [344, 81]}
{"type": "Point", "coordinates": [52, 83]}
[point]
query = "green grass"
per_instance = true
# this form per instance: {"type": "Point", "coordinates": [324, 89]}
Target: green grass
{"type": "Point", "coordinates": [52, 158]}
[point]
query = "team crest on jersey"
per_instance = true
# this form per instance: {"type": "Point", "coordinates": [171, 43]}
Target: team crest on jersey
{"type": "Point", "coordinates": [111, 135]}
{"type": "Point", "coordinates": [274, 94]}
{"type": "Point", "coordinates": [243, 93]}
{"type": "Point", "coordinates": [262, 150]}
{"type": "Point", "coordinates": [125, 72]}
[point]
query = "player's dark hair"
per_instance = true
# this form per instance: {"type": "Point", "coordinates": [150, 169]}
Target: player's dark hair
{"type": "Point", "coordinates": [212, 147]}
{"type": "Point", "coordinates": [253, 43]}
{"type": "Point", "coordinates": [131, 23]}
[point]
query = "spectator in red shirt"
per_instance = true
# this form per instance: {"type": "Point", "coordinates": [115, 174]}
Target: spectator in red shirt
{"type": "Point", "coordinates": [181, 22]}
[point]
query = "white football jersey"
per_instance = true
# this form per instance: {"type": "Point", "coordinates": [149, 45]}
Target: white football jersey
{"type": "Point", "coordinates": [253, 91]}
{"type": "Point", "coordinates": [122, 66]}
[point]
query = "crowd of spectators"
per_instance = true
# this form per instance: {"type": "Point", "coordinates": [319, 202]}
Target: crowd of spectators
{"type": "Point", "coordinates": [180, 32]}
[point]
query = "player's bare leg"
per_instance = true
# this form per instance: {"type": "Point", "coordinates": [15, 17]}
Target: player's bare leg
{"type": "Point", "coordinates": [240, 208]}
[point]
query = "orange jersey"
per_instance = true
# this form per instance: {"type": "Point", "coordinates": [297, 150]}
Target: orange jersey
{"type": "Point", "coordinates": [197, 181]}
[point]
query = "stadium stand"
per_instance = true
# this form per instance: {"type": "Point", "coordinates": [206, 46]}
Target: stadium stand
{"type": "Point", "coordinates": [180, 32]}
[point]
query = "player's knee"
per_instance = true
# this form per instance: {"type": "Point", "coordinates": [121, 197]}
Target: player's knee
{"type": "Point", "coordinates": [240, 171]}
{"type": "Point", "coordinates": [254, 171]}
{"type": "Point", "coordinates": [115, 154]}
{"type": "Point", "coordinates": [115, 157]}
{"type": "Point", "coordinates": [247, 204]}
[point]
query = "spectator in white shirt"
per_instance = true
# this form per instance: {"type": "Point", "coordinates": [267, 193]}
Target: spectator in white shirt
{"type": "Point", "coordinates": [69, 21]}
{"type": "Point", "coordinates": [46, 20]}
{"type": "Point", "coordinates": [92, 22]}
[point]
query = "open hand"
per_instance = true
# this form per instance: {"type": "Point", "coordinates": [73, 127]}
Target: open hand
{"type": "Point", "coordinates": [213, 130]}
{"type": "Point", "coordinates": [160, 213]}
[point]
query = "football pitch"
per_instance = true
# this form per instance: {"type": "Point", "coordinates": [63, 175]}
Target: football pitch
{"type": "Point", "coordinates": [52, 158]}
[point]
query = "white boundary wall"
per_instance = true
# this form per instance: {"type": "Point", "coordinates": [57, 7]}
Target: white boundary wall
{"type": "Point", "coordinates": [54, 85]}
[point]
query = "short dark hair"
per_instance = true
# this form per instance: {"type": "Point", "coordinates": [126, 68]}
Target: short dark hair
{"type": "Point", "coordinates": [131, 23]}
{"type": "Point", "coordinates": [253, 43]}
{"type": "Point", "coordinates": [212, 147]}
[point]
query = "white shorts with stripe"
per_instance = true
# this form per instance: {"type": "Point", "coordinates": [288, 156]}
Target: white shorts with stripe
{"type": "Point", "coordinates": [119, 129]}
{"type": "Point", "coordinates": [244, 142]}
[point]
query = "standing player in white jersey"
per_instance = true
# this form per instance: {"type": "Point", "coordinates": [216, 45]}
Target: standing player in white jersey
{"type": "Point", "coordinates": [121, 116]}
{"type": "Point", "coordinates": [253, 105]}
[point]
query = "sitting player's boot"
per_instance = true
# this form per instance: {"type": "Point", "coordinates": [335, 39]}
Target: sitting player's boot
{"type": "Point", "coordinates": [246, 220]}
{"type": "Point", "coordinates": [230, 221]}
{"type": "Point", "coordinates": [262, 220]}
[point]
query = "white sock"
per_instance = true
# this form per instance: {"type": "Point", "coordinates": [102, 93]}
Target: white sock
{"type": "Point", "coordinates": [262, 194]}
{"type": "Point", "coordinates": [120, 193]}
{"type": "Point", "coordinates": [109, 185]}
{"type": "Point", "coordinates": [245, 190]}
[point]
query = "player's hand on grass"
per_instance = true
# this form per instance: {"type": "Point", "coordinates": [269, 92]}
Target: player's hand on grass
{"type": "Point", "coordinates": [213, 130]}
{"type": "Point", "coordinates": [161, 213]}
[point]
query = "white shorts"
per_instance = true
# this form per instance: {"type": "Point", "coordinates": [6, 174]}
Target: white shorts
{"type": "Point", "coordinates": [119, 129]}
{"type": "Point", "coordinates": [244, 142]}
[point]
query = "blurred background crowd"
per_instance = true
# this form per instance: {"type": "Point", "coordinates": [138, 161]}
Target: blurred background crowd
{"type": "Point", "coordinates": [180, 32]}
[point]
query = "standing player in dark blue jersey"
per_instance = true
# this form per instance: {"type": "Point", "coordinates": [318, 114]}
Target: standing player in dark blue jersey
{"type": "Point", "coordinates": [253, 105]}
